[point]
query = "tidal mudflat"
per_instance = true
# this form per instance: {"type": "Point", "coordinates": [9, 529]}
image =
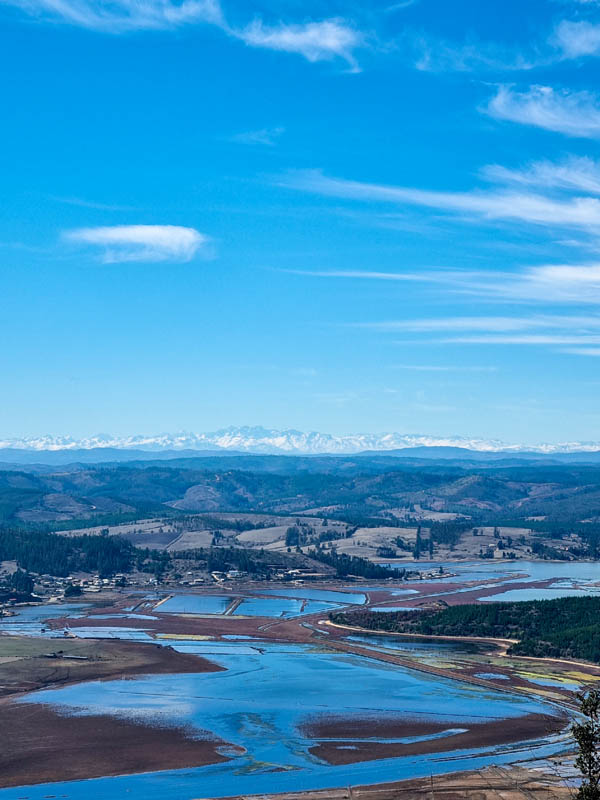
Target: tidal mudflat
{"type": "Point", "coordinates": [286, 711]}
{"type": "Point", "coordinates": [276, 706]}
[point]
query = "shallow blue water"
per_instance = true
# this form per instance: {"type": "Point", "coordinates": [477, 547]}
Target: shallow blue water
{"type": "Point", "coordinates": [195, 604]}
{"type": "Point", "coordinates": [549, 593]}
{"type": "Point", "coordinates": [414, 646]}
{"type": "Point", "coordinates": [327, 595]}
{"type": "Point", "coordinates": [492, 676]}
{"type": "Point", "coordinates": [384, 587]}
{"type": "Point", "coordinates": [114, 616]}
{"type": "Point", "coordinates": [572, 685]}
{"type": "Point", "coordinates": [571, 577]}
{"type": "Point", "coordinates": [285, 607]}
{"type": "Point", "coordinates": [218, 781]}
{"type": "Point", "coordinates": [261, 702]}
{"type": "Point", "coordinates": [29, 620]}
{"type": "Point", "coordinates": [584, 571]}
{"type": "Point", "coordinates": [39, 613]}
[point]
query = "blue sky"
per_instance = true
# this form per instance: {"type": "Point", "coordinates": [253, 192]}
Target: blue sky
{"type": "Point", "coordinates": [328, 216]}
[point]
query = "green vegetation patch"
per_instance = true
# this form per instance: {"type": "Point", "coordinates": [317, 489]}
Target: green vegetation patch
{"type": "Point", "coordinates": [565, 628]}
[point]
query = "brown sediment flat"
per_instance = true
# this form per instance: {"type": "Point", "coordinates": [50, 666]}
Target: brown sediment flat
{"type": "Point", "coordinates": [40, 746]}
{"type": "Point", "coordinates": [488, 734]}
{"type": "Point", "coordinates": [475, 594]}
{"type": "Point", "coordinates": [426, 589]}
{"type": "Point", "coordinates": [261, 627]}
{"type": "Point", "coordinates": [392, 726]}
{"type": "Point", "coordinates": [94, 660]}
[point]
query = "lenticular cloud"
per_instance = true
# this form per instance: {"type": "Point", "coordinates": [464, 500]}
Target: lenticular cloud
{"type": "Point", "coordinates": [141, 242]}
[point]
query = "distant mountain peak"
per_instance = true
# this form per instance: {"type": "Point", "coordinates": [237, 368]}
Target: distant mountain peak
{"type": "Point", "coordinates": [261, 440]}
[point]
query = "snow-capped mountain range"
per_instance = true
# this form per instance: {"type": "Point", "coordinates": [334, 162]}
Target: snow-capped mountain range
{"type": "Point", "coordinates": [291, 442]}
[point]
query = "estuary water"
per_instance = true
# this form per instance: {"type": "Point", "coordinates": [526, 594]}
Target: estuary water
{"type": "Point", "coordinates": [270, 690]}
{"type": "Point", "coordinates": [570, 578]}
{"type": "Point", "coordinates": [261, 703]}
{"type": "Point", "coordinates": [283, 603]}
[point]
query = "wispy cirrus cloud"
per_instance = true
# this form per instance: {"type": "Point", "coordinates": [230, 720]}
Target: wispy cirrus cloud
{"type": "Point", "coordinates": [543, 285]}
{"type": "Point", "coordinates": [574, 334]}
{"type": "Point", "coordinates": [315, 40]}
{"type": "Point", "coordinates": [576, 39]}
{"type": "Point", "coordinates": [568, 40]}
{"type": "Point", "coordinates": [572, 173]}
{"type": "Point", "coordinates": [547, 284]}
{"type": "Point", "coordinates": [121, 243]}
{"type": "Point", "coordinates": [486, 323]}
{"type": "Point", "coordinates": [435, 55]}
{"type": "Point", "coordinates": [400, 6]}
{"type": "Point", "coordinates": [123, 16]}
{"type": "Point", "coordinates": [83, 203]}
{"type": "Point", "coordinates": [495, 204]}
{"type": "Point", "coordinates": [264, 136]}
{"type": "Point", "coordinates": [582, 351]}
{"type": "Point", "coordinates": [571, 113]}
{"type": "Point", "coordinates": [533, 339]}
{"type": "Point", "coordinates": [571, 334]}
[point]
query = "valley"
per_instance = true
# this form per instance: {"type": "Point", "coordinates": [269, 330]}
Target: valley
{"type": "Point", "coordinates": [264, 687]}
{"type": "Point", "coordinates": [205, 632]}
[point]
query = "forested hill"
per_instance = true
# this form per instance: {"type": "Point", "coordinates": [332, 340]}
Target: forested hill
{"type": "Point", "coordinates": [558, 493]}
{"type": "Point", "coordinates": [43, 553]}
{"type": "Point", "coordinates": [565, 628]}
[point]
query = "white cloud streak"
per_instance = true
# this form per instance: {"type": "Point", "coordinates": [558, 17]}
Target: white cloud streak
{"type": "Point", "coordinates": [570, 39]}
{"type": "Point", "coordinates": [264, 136]}
{"type": "Point", "coordinates": [577, 39]}
{"type": "Point", "coordinates": [581, 174]}
{"type": "Point", "coordinates": [582, 351]}
{"type": "Point", "coordinates": [554, 283]}
{"type": "Point", "coordinates": [550, 284]}
{"type": "Point", "coordinates": [365, 274]}
{"type": "Point", "coordinates": [121, 243]}
{"type": "Point", "coordinates": [489, 323]}
{"type": "Point", "coordinates": [320, 40]}
{"type": "Point", "coordinates": [571, 113]}
{"type": "Point", "coordinates": [535, 339]}
{"type": "Point", "coordinates": [571, 334]}
{"type": "Point", "coordinates": [434, 55]}
{"type": "Point", "coordinates": [123, 16]}
{"type": "Point", "coordinates": [316, 41]}
{"type": "Point", "coordinates": [501, 204]}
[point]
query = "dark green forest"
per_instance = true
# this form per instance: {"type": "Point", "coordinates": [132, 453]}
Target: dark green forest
{"type": "Point", "coordinates": [54, 554]}
{"type": "Point", "coordinates": [50, 554]}
{"type": "Point", "coordinates": [346, 565]}
{"type": "Point", "coordinates": [564, 628]}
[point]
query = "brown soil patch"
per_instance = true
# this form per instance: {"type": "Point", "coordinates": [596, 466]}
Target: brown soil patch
{"type": "Point", "coordinates": [41, 746]}
{"type": "Point", "coordinates": [100, 659]}
{"type": "Point", "coordinates": [383, 727]}
{"type": "Point", "coordinates": [488, 734]}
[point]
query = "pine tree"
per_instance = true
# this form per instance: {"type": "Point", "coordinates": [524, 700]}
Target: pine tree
{"type": "Point", "coordinates": [417, 551]}
{"type": "Point", "coordinates": [587, 736]}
